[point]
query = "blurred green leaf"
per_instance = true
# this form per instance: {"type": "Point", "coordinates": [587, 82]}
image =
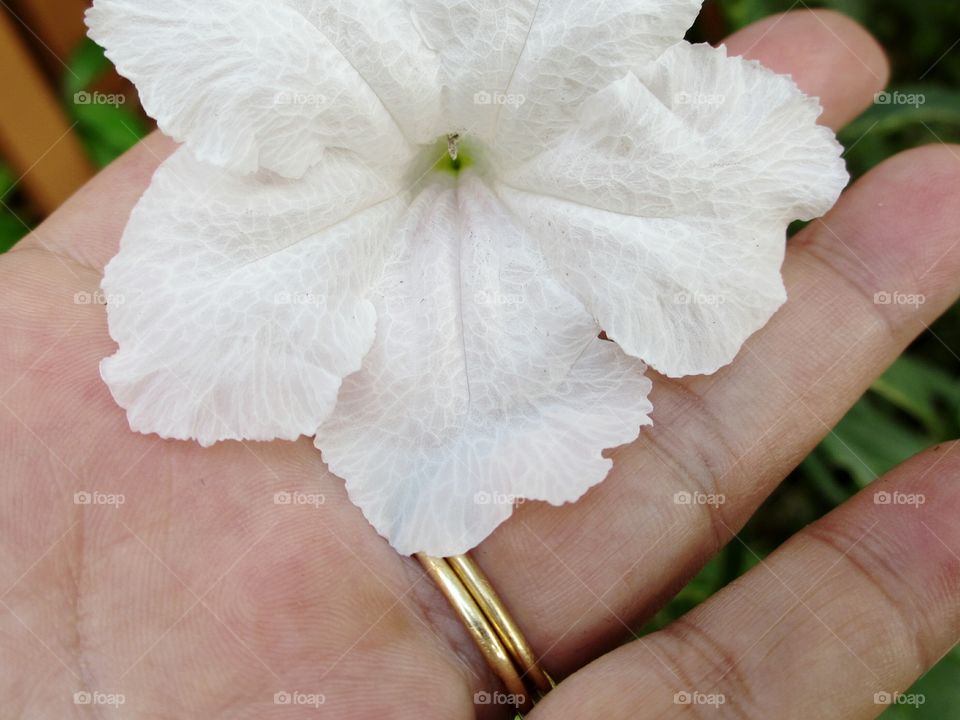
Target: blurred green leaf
{"type": "Point", "coordinates": [7, 180]}
{"type": "Point", "coordinates": [904, 105]}
{"type": "Point", "coordinates": [940, 690]}
{"type": "Point", "coordinates": [818, 469]}
{"type": "Point", "coordinates": [11, 231]}
{"type": "Point", "coordinates": [869, 442]}
{"type": "Point", "coordinates": [11, 227]}
{"type": "Point", "coordinates": [707, 582]}
{"type": "Point", "coordinates": [924, 391]}
{"type": "Point", "coordinates": [107, 129]}
{"type": "Point", "coordinates": [87, 64]}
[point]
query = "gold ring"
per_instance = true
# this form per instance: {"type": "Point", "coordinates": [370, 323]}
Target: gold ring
{"type": "Point", "coordinates": [496, 634]}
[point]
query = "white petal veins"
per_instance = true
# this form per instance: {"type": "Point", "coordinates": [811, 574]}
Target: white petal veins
{"type": "Point", "coordinates": [571, 50]}
{"type": "Point", "coordinates": [665, 209]}
{"type": "Point", "coordinates": [381, 40]}
{"type": "Point", "coordinates": [477, 44]}
{"type": "Point", "coordinates": [486, 382]}
{"type": "Point", "coordinates": [249, 84]}
{"type": "Point", "coordinates": [238, 302]}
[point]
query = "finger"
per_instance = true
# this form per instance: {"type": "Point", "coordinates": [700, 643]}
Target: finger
{"type": "Point", "coordinates": [833, 625]}
{"type": "Point", "coordinates": [87, 228]}
{"type": "Point", "coordinates": [584, 574]}
{"type": "Point", "coordinates": [829, 56]}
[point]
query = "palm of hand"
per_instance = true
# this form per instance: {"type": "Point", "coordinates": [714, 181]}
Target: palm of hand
{"type": "Point", "coordinates": [204, 595]}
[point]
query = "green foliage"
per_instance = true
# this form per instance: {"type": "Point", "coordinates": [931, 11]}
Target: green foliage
{"type": "Point", "coordinates": [11, 227]}
{"type": "Point", "coordinates": [107, 130]}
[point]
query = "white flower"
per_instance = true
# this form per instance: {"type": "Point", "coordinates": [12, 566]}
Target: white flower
{"type": "Point", "coordinates": [308, 264]}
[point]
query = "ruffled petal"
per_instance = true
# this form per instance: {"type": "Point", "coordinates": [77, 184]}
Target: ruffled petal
{"type": "Point", "coordinates": [486, 383]}
{"type": "Point", "coordinates": [477, 44]}
{"type": "Point", "coordinates": [514, 71]}
{"type": "Point", "coordinates": [382, 41]}
{"type": "Point", "coordinates": [250, 84]}
{"type": "Point", "coordinates": [238, 302]}
{"type": "Point", "coordinates": [665, 210]}
{"type": "Point", "coordinates": [571, 50]}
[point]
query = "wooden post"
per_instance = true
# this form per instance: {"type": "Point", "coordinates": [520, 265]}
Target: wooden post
{"type": "Point", "coordinates": [55, 25]}
{"type": "Point", "coordinates": [36, 137]}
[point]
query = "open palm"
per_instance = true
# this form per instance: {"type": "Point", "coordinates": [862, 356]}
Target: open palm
{"type": "Point", "coordinates": [171, 581]}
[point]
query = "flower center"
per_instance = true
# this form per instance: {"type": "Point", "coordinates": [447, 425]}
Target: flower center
{"type": "Point", "coordinates": [457, 157]}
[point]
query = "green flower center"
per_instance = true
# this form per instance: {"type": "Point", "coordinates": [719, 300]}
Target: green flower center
{"type": "Point", "coordinates": [459, 155]}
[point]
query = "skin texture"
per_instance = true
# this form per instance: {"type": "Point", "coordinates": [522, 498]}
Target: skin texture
{"type": "Point", "coordinates": [200, 597]}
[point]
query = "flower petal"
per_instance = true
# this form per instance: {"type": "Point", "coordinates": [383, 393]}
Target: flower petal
{"type": "Point", "coordinates": [477, 45]}
{"type": "Point", "coordinates": [517, 68]}
{"type": "Point", "coordinates": [250, 84]}
{"type": "Point", "coordinates": [238, 301]}
{"type": "Point", "coordinates": [573, 49]}
{"type": "Point", "coordinates": [382, 41]}
{"type": "Point", "coordinates": [666, 209]}
{"type": "Point", "coordinates": [486, 383]}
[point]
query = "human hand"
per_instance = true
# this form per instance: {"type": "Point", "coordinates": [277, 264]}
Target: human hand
{"type": "Point", "coordinates": [201, 596]}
